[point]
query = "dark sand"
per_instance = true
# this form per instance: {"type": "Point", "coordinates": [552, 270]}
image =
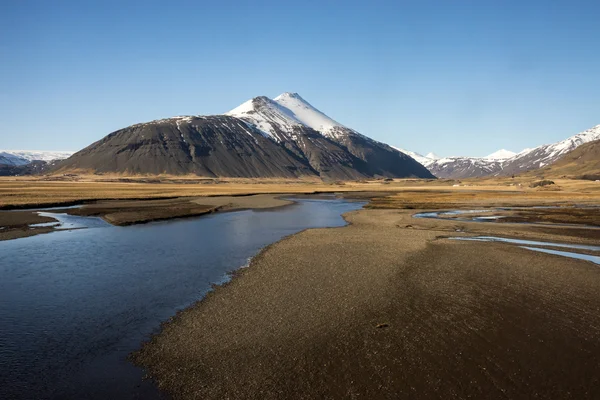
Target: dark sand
{"type": "Point", "coordinates": [386, 308]}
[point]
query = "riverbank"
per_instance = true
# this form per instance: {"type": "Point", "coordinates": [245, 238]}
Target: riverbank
{"type": "Point", "coordinates": [388, 308]}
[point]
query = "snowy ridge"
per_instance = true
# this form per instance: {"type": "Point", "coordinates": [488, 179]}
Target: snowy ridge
{"type": "Point", "coordinates": [41, 155]}
{"type": "Point", "coordinates": [505, 162]}
{"type": "Point", "coordinates": [11, 159]}
{"type": "Point", "coordinates": [546, 154]}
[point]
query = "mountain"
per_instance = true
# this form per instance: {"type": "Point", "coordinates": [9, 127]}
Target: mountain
{"type": "Point", "coordinates": [544, 155]}
{"type": "Point", "coordinates": [464, 167]}
{"type": "Point", "coordinates": [582, 163]}
{"type": "Point", "coordinates": [281, 137]}
{"type": "Point", "coordinates": [31, 168]}
{"type": "Point", "coordinates": [41, 155]}
{"type": "Point", "coordinates": [11, 159]}
{"type": "Point", "coordinates": [306, 131]}
{"type": "Point", "coordinates": [504, 162]}
{"type": "Point", "coordinates": [29, 162]}
{"type": "Point", "coordinates": [460, 167]}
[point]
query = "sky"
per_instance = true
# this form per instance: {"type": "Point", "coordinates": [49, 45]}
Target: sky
{"type": "Point", "coordinates": [450, 77]}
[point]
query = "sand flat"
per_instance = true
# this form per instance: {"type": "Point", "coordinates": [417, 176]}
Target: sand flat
{"type": "Point", "coordinates": [386, 308]}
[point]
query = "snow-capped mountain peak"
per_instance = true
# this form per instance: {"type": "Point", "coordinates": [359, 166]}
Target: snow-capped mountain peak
{"type": "Point", "coordinates": [501, 154]}
{"type": "Point", "coordinates": [505, 162]}
{"type": "Point", "coordinates": [432, 156]}
{"type": "Point", "coordinates": [423, 160]}
{"type": "Point", "coordinates": [267, 115]}
{"type": "Point", "coordinates": [282, 113]}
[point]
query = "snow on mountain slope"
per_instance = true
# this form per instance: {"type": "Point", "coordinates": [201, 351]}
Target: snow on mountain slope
{"type": "Point", "coordinates": [11, 159]}
{"type": "Point", "coordinates": [504, 162]}
{"type": "Point", "coordinates": [501, 154]}
{"type": "Point", "coordinates": [267, 115]}
{"type": "Point", "coordinates": [280, 115]}
{"type": "Point", "coordinates": [544, 155]}
{"type": "Point", "coordinates": [464, 167]}
{"type": "Point", "coordinates": [423, 160]}
{"type": "Point", "coordinates": [303, 111]}
{"type": "Point", "coordinates": [460, 167]}
{"type": "Point", "coordinates": [41, 155]}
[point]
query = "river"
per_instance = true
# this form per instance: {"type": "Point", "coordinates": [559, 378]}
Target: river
{"type": "Point", "coordinates": [75, 303]}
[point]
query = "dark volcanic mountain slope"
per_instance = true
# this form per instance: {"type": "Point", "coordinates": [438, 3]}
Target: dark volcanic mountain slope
{"type": "Point", "coordinates": [379, 159]}
{"type": "Point", "coordinates": [206, 146]}
{"type": "Point", "coordinates": [327, 158]}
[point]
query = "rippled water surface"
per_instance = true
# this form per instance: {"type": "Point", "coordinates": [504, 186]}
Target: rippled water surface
{"type": "Point", "coordinates": [75, 303]}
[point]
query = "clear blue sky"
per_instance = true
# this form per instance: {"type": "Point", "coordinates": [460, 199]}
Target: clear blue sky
{"type": "Point", "coordinates": [454, 77]}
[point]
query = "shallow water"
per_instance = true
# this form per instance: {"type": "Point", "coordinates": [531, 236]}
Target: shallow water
{"type": "Point", "coordinates": [451, 216]}
{"type": "Point", "coordinates": [75, 303]}
{"type": "Point", "coordinates": [526, 244]}
{"type": "Point", "coordinates": [578, 256]}
{"type": "Point", "coordinates": [66, 221]}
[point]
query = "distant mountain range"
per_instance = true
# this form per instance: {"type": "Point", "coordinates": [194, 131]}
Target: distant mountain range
{"type": "Point", "coordinates": [504, 162]}
{"type": "Point", "coordinates": [11, 159]}
{"type": "Point", "coordinates": [28, 162]}
{"type": "Point", "coordinates": [37, 155]}
{"type": "Point", "coordinates": [281, 137]}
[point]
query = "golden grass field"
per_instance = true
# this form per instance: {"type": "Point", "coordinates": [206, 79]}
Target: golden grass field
{"type": "Point", "coordinates": [19, 191]}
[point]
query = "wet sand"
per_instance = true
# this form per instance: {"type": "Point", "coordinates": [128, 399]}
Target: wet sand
{"type": "Point", "coordinates": [387, 307]}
